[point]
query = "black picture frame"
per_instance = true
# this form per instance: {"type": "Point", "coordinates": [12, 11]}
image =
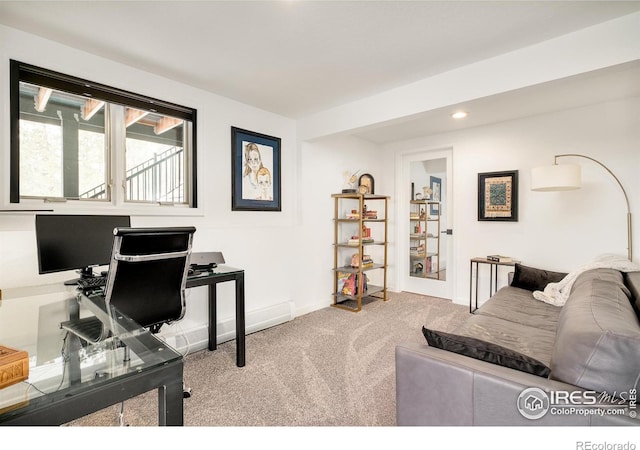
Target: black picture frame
{"type": "Point", "coordinates": [498, 196]}
{"type": "Point", "coordinates": [258, 188]}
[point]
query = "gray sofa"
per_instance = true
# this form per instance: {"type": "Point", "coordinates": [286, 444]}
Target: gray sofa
{"type": "Point", "coordinates": [520, 361]}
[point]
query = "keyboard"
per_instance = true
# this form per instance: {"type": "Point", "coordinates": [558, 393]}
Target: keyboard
{"type": "Point", "coordinates": [92, 283]}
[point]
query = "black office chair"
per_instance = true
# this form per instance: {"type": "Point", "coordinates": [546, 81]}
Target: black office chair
{"type": "Point", "coordinates": [148, 274]}
{"type": "Point", "coordinates": [146, 281]}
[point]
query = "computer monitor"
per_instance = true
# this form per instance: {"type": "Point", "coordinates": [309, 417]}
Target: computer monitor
{"type": "Point", "coordinates": [75, 242]}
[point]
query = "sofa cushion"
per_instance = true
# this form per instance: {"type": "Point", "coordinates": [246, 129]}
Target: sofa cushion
{"type": "Point", "coordinates": [532, 342]}
{"type": "Point", "coordinates": [598, 337]}
{"type": "Point", "coordinates": [632, 281]}
{"type": "Point", "coordinates": [518, 305]}
{"type": "Point", "coordinates": [485, 351]}
{"type": "Point", "coordinates": [533, 279]}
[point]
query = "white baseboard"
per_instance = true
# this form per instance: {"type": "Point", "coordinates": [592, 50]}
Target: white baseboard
{"type": "Point", "coordinates": [312, 307]}
{"type": "Point", "coordinates": [196, 337]}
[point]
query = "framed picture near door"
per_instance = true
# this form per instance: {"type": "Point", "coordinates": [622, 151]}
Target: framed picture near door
{"type": "Point", "coordinates": [435, 184]}
{"type": "Point", "coordinates": [498, 196]}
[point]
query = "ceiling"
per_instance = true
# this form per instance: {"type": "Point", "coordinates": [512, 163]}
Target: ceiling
{"type": "Point", "coordinates": [612, 83]}
{"type": "Point", "coordinates": [297, 58]}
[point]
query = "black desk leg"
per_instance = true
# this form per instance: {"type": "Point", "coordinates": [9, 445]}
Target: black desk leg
{"type": "Point", "coordinates": [213, 316]}
{"type": "Point", "coordinates": [476, 298]}
{"type": "Point", "coordinates": [470, 286]}
{"type": "Point", "coordinates": [170, 402]}
{"type": "Point", "coordinates": [240, 325]}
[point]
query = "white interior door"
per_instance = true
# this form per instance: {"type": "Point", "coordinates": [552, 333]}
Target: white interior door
{"type": "Point", "coordinates": [431, 274]}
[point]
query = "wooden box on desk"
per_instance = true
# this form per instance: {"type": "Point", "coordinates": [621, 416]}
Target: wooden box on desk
{"type": "Point", "coordinates": [14, 366]}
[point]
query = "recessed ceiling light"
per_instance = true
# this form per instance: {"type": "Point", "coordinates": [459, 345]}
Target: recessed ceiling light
{"type": "Point", "coordinates": [459, 114]}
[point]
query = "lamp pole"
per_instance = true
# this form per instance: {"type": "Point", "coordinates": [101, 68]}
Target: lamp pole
{"type": "Point", "coordinates": [626, 198]}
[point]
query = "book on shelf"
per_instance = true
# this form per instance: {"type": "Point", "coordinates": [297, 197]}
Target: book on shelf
{"type": "Point", "coordinates": [499, 258]}
{"type": "Point", "coordinates": [356, 240]}
{"type": "Point", "coordinates": [349, 283]}
{"type": "Point", "coordinates": [370, 215]}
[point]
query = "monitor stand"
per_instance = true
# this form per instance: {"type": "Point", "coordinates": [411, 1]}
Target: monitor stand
{"type": "Point", "coordinates": [85, 272]}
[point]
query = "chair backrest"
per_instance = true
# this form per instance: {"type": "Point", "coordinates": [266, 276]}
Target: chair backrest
{"type": "Point", "coordinates": [148, 273]}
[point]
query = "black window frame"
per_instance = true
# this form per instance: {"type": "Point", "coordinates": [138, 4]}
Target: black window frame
{"type": "Point", "coordinates": [23, 72]}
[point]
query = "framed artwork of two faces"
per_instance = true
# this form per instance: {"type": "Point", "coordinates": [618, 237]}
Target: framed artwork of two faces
{"type": "Point", "coordinates": [255, 171]}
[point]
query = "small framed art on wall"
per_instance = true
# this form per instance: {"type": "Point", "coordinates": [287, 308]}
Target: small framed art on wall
{"type": "Point", "coordinates": [498, 196]}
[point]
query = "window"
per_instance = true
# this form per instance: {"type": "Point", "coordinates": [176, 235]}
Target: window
{"type": "Point", "coordinates": [73, 139]}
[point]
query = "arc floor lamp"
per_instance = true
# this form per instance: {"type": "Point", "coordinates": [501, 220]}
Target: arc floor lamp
{"type": "Point", "coordinates": [567, 177]}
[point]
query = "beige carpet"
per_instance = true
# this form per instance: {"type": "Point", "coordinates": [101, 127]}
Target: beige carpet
{"type": "Point", "coordinates": [327, 368]}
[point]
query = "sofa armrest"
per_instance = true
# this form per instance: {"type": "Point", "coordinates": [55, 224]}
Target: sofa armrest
{"type": "Point", "coordinates": [437, 387]}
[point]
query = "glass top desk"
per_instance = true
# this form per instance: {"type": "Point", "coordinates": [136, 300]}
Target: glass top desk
{"type": "Point", "coordinates": [69, 378]}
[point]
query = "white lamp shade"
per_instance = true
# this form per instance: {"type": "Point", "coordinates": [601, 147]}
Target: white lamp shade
{"type": "Point", "coordinates": [558, 177]}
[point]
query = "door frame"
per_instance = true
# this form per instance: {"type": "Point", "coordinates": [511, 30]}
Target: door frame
{"type": "Point", "coordinates": [436, 288]}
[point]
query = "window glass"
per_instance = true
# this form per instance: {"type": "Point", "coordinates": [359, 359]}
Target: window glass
{"type": "Point", "coordinates": [62, 143]}
{"type": "Point", "coordinates": [74, 139]}
{"type": "Point", "coordinates": [41, 168]}
{"type": "Point", "coordinates": [155, 158]}
{"type": "Point", "coordinates": [92, 165]}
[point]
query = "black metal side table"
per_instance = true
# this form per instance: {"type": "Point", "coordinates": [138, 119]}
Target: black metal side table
{"type": "Point", "coordinates": [493, 278]}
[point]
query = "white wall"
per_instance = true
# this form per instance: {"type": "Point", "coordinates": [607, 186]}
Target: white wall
{"type": "Point", "coordinates": [288, 255]}
{"type": "Point", "coordinates": [556, 230]}
{"type": "Point", "coordinates": [321, 168]}
{"type": "Point", "coordinates": [259, 242]}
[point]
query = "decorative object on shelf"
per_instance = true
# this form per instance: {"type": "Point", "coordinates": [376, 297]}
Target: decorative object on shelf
{"type": "Point", "coordinates": [350, 180]}
{"type": "Point", "coordinates": [354, 215]}
{"type": "Point", "coordinates": [426, 192]}
{"type": "Point", "coordinates": [366, 184]}
{"type": "Point", "coordinates": [568, 177]}
{"type": "Point", "coordinates": [365, 262]}
{"type": "Point", "coordinates": [498, 196]}
{"type": "Point", "coordinates": [255, 171]}
{"type": "Point", "coordinates": [436, 189]}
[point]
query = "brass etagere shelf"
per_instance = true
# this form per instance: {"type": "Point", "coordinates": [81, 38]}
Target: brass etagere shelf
{"type": "Point", "coordinates": [424, 239]}
{"type": "Point", "coordinates": [357, 232]}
